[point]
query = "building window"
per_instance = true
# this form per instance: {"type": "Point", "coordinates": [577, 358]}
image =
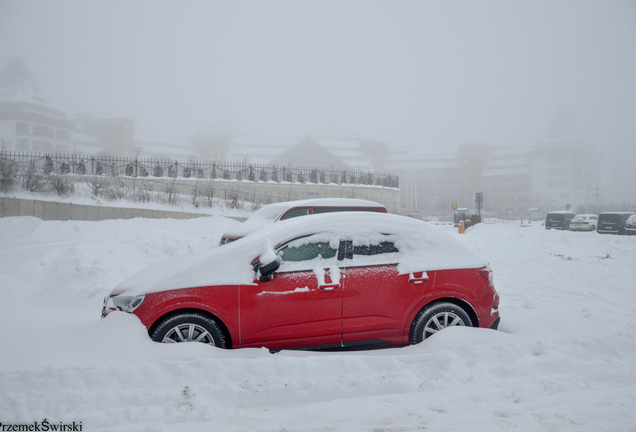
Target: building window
{"type": "Point", "coordinates": [556, 171]}
{"type": "Point", "coordinates": [22, 129]}
{"type": "Point", "coordinates": [43, 131]}
{"type": "Point", "coordinates": [558, 183]}
{"type": "Point", "coordinates": [22, 145]}
{"type": "Point", "coordinates": [63, 149]}
{"type": "Point", "coordinates": [64, 135]}
{"type": "Point", "coordinates": [42, 146]}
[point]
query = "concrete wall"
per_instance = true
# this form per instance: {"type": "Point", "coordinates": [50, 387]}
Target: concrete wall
{"type": "Point", "coordinates": [389, 197]}
{"type": "Point", "coordinates": [49, 210]}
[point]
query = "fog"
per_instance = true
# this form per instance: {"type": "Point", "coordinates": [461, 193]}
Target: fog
{"type": "Point", "coordinates": [428, 74]}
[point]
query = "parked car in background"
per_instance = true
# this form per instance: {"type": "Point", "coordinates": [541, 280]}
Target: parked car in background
{"type": "Point", "coordinates": [559, 219]}
{"type": "Point", "coordinates": [612, 222]}
{"type": "Point", "coordinates": [630, 225]}
{"type": "Point", "coordinates": [291, 209]}
{"type": "Point", "coordinates": [584, 222]}
{"type": "Point", "coordinates": [318, 282]}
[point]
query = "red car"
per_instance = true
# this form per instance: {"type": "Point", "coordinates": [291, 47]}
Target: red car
{"type": "Point", "coordinates": [320, 281]}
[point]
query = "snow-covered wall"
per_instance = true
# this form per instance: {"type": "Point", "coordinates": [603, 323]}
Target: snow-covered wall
{"type": "Point", "coordinates": [51, 210]}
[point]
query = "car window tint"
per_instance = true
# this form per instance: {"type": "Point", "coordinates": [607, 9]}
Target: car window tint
{"type": "Point", "coordinates": [384, 247]}
{"type": "Point", "coordinates": [318, 210]}
{"type": "Point", "coordinates": [295, 213]}
{"type": "Point", "coordinates": [307, 252]}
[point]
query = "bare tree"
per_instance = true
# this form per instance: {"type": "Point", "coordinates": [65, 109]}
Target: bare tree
{"type": "Point", "coordinates": [196, 194]}
{"type": "Point", "coordinates": [61, 184]}
{"type": "Point", "coordinates": [232, 201]}
{"type": "Point", "coordinates": [255, 201]}
{"type": "Point", "coordinates": [208, 192]}
{"type": "Point", "coordinates": [32, 180]}
{"type": "Point", "coordinates": [171, 191]}
{"type": "Point", "coordinates": [8, 169]}
{"type": "Point", "coordinates": [98, 184]}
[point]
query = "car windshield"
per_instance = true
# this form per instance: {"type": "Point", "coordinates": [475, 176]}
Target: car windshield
{"type": "Point", "coordinates": [555, 217]}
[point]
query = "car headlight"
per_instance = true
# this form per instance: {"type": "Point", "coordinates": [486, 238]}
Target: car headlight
{"type": "Point", "coordinates": [128, 303]}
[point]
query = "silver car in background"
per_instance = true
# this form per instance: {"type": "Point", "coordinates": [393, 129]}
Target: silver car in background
{"type": "Point", "coordinates": [584, 222]}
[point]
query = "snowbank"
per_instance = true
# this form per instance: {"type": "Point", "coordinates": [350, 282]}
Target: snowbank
{"type": "Point", "coordinates": [564, 358]}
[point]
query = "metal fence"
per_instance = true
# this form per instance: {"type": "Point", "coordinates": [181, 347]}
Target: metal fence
{"type": "Point", "coordinates": [130, 167]}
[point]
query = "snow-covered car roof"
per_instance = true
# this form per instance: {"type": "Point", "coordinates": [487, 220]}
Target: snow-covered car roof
{"type": "Point", "coordinates": [582, 217]}
{"type": "Point", "coordinates": [562, 212]}
{"type": "Point", "coordinates": [270, 213]}
{"type": "Point", "coordinates": [422, 247]}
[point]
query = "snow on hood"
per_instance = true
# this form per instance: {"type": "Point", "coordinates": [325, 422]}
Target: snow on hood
{"type": "Point", "coordinates": [422, 247]}
{"type": "Point", "coordinates": [270, 213]}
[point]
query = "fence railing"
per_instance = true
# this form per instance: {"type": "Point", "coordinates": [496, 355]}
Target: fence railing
{"type": "Point", "coordinates": [147, 167]}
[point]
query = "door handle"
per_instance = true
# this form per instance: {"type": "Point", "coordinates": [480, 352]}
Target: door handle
{"type": "Point", "coordinates": [329, 287]}
{"type": "Point", "coordinates": [418, 279]}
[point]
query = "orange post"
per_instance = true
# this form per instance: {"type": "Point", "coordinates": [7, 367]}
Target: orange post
{"type": "Point", "coordinates": [461, 227]}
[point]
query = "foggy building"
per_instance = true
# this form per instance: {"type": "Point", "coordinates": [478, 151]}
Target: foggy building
{"type": "Point", "coordinates": [431, 182]}
{"type": "Point", "coordinates": [28, 121]}
{"type": "Point", "coordinates": [327, 152]}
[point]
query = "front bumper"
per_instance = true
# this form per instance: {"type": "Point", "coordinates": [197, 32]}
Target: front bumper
{"type": "Point", "coordinates": [495, 325]}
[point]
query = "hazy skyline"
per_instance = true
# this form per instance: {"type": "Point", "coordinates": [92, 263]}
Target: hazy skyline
{"type": "Point", "coordinates": [426, 74]}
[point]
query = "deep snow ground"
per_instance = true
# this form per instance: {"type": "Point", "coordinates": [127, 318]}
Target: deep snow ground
{"type": "Point", "coordinates": [564, 358]}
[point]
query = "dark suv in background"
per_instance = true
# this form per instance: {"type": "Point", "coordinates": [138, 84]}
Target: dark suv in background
{"type": "Point", "coordinates": [559, 219]}
{"type": "Point", "coordinates": [612, 222]}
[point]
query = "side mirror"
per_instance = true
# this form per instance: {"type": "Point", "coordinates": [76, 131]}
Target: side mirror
{"type": "Point", "coordinates": [266, 271]}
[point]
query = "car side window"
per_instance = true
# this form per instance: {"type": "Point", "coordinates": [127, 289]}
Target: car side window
{"type": "Point", "coordinates": [308, 253]}
{"type": "Point", "coordinates": [384, 247]}
{"type": "Point", "coordinates": [295, 213]}
{"type": "Point", "coordinates": [378, 252]}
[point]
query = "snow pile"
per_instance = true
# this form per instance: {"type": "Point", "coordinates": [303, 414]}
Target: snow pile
{"type": "Point", "coordinates": [564, 358]}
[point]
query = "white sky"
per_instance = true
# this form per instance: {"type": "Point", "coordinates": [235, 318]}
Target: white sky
{"type": "Point", "coordinates": [427, 73]}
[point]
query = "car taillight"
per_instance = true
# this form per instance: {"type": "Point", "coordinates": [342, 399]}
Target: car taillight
{"type": "Point", "coordinates": [487, 274]}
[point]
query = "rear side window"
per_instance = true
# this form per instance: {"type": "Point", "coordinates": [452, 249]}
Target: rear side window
{"type": "Point", "coordinates": [295, 213]}
{"type": "Point", "coordinates": [318, 210]}
{"type": "Point", "coordinates": [384, 247]}
{"type": "Point", "coordinates": [378, 251]}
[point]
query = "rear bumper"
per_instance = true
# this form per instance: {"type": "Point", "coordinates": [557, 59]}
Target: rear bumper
{"type": "Point", "coordinates": [606, 231]}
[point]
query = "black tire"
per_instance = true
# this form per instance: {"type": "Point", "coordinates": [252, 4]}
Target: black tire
{"type": "Point", "coordinates": [435, 317]}
{"type": "Point", "coordinates": [190, 327]}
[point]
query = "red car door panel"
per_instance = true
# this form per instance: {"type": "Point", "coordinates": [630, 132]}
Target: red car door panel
{"type": "Point", "coordinates": [290, 307]}
{"type": "Point", "coordinates": [377, 301]}
{"type": "Point", "coordinates": [300, 306]}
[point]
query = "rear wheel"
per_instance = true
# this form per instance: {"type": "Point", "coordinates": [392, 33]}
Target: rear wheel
{"type": "Point", "coordinates": [190, 327]}
{"type": "Point", "coordinates": [436, 317]}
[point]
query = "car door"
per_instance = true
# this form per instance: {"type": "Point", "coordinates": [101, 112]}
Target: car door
{"type": "Point", "coordinates": [377, 298]}
{"type": "Point", "coordinates": [302, 303]}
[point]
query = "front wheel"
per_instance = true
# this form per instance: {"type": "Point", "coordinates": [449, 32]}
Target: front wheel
{"type": "Point", "coordinates": [436, 317]}
{"type": "Point", "coordinates": [190, 327]}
